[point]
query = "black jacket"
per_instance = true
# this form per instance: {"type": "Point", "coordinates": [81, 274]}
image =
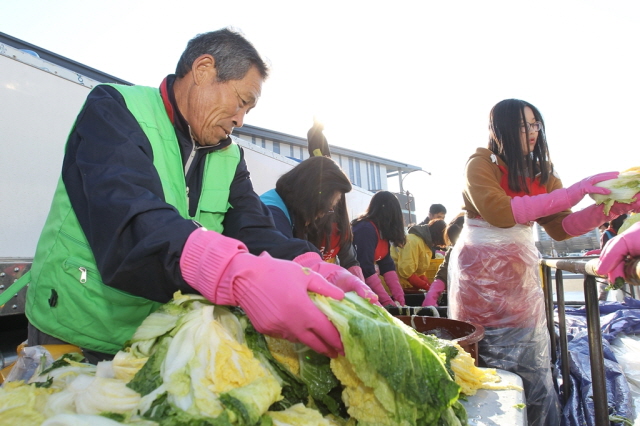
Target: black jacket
{"type": "Point", "coordinates": [116, 193]}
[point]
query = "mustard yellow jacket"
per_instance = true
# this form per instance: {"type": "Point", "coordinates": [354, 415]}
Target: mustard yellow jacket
{"type": "Point", "coordinates": [415, 256]}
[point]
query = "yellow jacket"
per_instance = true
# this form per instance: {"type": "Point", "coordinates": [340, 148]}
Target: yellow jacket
{"type": "Point", "coordinates": [413, 258]}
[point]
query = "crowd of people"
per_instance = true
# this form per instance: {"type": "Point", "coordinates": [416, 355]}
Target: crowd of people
{"type": "Point", "coordinates": [154, 197]}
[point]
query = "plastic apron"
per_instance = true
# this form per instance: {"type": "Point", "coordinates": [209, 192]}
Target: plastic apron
{"type": "Point", "coordinates": [494, 281]}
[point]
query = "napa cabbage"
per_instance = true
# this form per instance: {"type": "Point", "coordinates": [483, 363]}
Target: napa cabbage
{"type": "Point", "coordinates": [21, 404]}
{"type": "Point", "coordinates": [195, 363]}
{"type": "Point", "coordinates": [624, 189]}
{"type": "Point", "coordinates": [391, 375]}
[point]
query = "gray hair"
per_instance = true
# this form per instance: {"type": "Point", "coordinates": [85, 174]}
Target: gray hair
{"type": "Point", "coordinates": [234, 55]}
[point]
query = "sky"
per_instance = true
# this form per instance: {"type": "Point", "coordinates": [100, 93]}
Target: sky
{"type": "Point", "coordinates": [411, 81]}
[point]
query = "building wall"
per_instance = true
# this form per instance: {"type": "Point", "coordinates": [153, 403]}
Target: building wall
{"type": "Point", "coordinates": [368, 175]}
{"type": "Point", "coordinates": [266, 167]}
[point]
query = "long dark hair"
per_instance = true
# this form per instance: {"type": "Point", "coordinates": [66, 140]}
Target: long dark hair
{"type": "Point", "coordinates": [320, 235]}
{"type": "Point", "coordinates": [385, 212]}
{"type": "Point", "coordinates": [307, 191]}
{"type": "Point", "coordinates": [452, 232]}
{"type": "Point", "coordinates": [436, 229]}
{"type": "Point", "coordinates": [505, 120]}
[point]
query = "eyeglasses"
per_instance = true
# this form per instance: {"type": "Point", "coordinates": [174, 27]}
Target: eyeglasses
{"type": "Point", "coordinates": [531, 127]}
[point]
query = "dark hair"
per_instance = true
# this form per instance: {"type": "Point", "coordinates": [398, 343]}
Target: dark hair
{"type": "Point", "coordinates": [233, 54]}
{"type": "Point", "coordinates": [385, 212]}
{"type": "Point", "coordinates": [616, 223]}
{"type": "Point", "coordinates": [452, 232]}
{"type": "Point", "coordinates": [436, 229]}
{"type": "Point", "coordinates": [307, 191]}
{"type": "Point", "coordinates": [505, 120]}
{"type": "Point", "coordinates": [320, 235]}
{"type": "Point", "coordinates": [437, 208]}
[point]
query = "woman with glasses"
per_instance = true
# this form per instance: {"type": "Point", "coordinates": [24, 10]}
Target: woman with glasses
{"type": "Point", "coordinates": [493, 272]}
{"type": "Point", "coordinates": [373, 232]}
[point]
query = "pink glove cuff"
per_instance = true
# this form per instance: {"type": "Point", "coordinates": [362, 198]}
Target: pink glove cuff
{"type": "Point", "coordinates": [530, 208]}
{"type": "Point", "coordinates": [393, 282]}
{"type": "Point", "coordinates": [436, 289]}
{"type": "Point", "coordinates": [205, 257]}
{"type": "Point", "coordinates": [357, 271]}
{"type": "Point", "coordinates": [585, 220]}
{"type": "Point", "coordinates": [374, 283]}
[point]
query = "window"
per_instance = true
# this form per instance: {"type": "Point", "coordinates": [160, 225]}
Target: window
{"type": "Point", "coordinates": [372, 177]}
{"type": "Point", "coordinates": [276, 147]}
{"type": "Point", "coordinates": [253, 140]}
{"type": "Point", "coordinates": [351, 176]}
{"type": "Point", "coordinates": [290, 150]}
{"type": "Point", "coordinates": [300, 148]}
{"type": "Point", "coordinates": [358, 180]}
{"type": "Point", "coordinates": [264, 143]}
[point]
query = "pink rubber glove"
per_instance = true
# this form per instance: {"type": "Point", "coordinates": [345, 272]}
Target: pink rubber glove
{"type": "Point", "coordinates": [436, 289]}
{"type": "Point", "coordinates": [337, 276]}
{"type": "Point", "coordinates": [393, 282]}
{"type": "Point", "coordinates": [418, 281]}
{"type": "Point", "coordinates": [272, 292]}
{"type": "Point", "coordinates": [376, 285]}
{"type": "Point", "coordinates": [589, 218]}
{"type": "Point", "coordinates": [357, 271]}
{"type": "Point", "coordinates": [613, 255]}
{"type": "Point", "coordinates": [530, 208]}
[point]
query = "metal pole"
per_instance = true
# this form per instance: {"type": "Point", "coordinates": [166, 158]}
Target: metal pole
{"type": "Point", "coordinates": [548, 302]}
{"type": "Point", "coordinates": [408, 194]}
{"type": "Point", "coordinates": [564, 345]}
{"type": "Point", "coordinates": [599, 386]}
{"type": "Point", "coordinates": [596, 356]}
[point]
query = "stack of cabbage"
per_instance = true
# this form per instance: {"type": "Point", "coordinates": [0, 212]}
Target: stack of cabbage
{"type": "Point", "coordinates": [193, 363]}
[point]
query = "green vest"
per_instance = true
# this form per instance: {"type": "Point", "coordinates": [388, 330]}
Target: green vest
{"type": "Point", "coordinates": [66, 296]}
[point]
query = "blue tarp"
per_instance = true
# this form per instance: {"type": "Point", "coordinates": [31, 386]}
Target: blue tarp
{"type": "Point", "coordinates": [615, 318]}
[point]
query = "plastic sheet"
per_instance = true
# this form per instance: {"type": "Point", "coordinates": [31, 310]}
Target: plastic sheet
{"type": "Point", "coordinates": [30, 359]}
{"type": "Point", "coordinates": [493, 277]}
{"type": "Point", "coordinates": [626, 350]}
{"type": "Point", "coordinates": [617, 319]}
{"type": "Point", "coordinates": [494, 281]}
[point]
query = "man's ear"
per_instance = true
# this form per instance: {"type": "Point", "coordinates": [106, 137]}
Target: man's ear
{"type": "Point", "coordinates": [204, 69]}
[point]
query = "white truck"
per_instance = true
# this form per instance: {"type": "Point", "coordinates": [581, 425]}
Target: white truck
{"type": "Point", "coordinates": [41, 94]}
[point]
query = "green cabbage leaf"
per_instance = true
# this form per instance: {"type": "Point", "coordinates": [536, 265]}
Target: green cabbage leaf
{"type": "Point", "coordinates": [624, 189]}
{"type": "Point", "coordinates": [393, 376]}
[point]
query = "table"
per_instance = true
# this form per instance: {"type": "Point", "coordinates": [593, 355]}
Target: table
{"type": "Point", "coordinates": [497, 407]}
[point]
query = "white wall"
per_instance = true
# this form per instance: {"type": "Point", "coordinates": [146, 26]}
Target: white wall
{"type": "Point", "coordinates": [266, 167]}
{"type": "Point", "coordinates": [37, 110]}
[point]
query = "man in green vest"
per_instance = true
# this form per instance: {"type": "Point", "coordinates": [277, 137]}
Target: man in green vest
{"type": "Point", "coordinates": [154, 198]}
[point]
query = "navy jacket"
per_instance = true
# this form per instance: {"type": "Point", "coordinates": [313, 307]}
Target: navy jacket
{"type": "Point", "coordinates": [365, 240]}
{"type": "Point", "coordinates": [136, 237]}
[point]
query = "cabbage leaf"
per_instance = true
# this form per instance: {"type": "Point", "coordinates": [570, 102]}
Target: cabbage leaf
{"type": "Point", "coordinates": [624, 189]}
{"type": "Point", "coordinates": [392, 376]}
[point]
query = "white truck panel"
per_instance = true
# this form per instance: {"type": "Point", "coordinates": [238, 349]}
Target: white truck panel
{"type": "Point", "coordinates": [37, 109]}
